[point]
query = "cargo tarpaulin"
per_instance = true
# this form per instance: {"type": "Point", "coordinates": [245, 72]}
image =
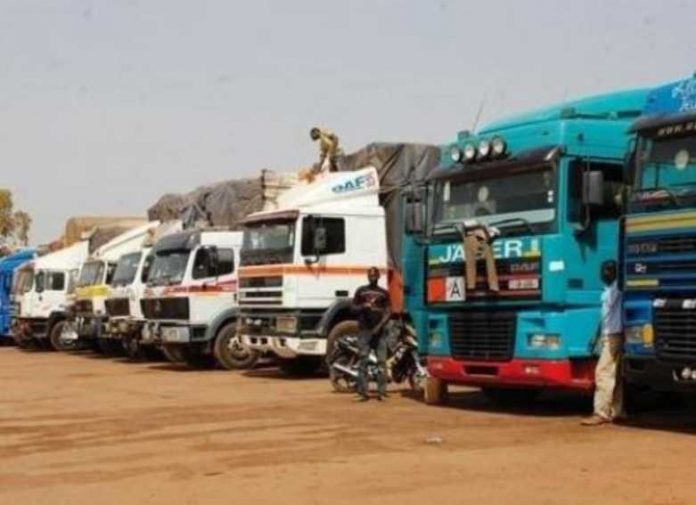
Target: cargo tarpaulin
{"type": "Point", "coordinates": [224, 204]}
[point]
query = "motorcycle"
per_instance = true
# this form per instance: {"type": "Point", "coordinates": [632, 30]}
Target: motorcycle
{"type": "Point", "coordinates": [403, 362]}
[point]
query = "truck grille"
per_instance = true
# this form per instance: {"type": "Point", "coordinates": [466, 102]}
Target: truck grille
{"type": "Point", "coordinates": [117, 307]}
{"type": "Point", "coordinates": [165, 308]}
{"type": "Point", "coordinates": [482, 336]}
{"type": "Point", "coordinates": [675, 333]}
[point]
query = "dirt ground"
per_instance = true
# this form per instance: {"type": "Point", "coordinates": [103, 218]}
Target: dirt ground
{"type": "Point", "coordinates": [79, 429]}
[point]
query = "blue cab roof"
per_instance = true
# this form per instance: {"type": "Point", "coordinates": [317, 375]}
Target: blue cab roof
{"type": "Point", "coordinates": [622, 104]}
{"type": "Point", "coordinates": [674, 97]}
{"type": "Point", "coordinates": [9, 263]}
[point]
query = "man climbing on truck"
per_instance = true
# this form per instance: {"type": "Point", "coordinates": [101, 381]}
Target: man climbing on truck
{"type": "Point", "coordinates": [372, 306]}
{"type": "Point", "coordinates": [608, 395]}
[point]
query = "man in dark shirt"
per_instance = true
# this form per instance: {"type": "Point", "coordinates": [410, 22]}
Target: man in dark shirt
{"type": "Point", "coordinates": [372, 306]}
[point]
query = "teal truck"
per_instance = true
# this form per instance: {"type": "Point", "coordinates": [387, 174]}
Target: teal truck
{"type": "Point", "coordinates": [660, 245]}
{"type": "Point", "coordinates": [541, 193]}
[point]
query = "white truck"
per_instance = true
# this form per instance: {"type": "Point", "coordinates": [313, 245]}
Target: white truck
{"type": "Point", "coordinates": [41, 296]}
{"type": "Point", "coordinates": [298, 259]}
{"type": "Point", "coordinates": [190, 302]}
{"type": "Point", "coordinates": [89, 310]}
{"type": "Point", "coordinates": [126, 320]}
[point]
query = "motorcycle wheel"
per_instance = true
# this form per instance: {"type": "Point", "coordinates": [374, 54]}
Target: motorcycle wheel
{"type": "Point", "coordinates": [341, 382]}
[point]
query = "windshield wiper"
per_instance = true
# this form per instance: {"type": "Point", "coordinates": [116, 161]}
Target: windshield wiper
{"type": "Point", "coordinates": [513, 221]}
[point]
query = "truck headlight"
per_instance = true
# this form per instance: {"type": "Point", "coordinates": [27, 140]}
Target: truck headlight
{"type": "Point", "coordinates": [469, 152]}
{"type": "Point", "coordinates": [456, 154]}
{"type": "Point", "coordinates": [286, 324]}
{"type": "Point", "coordinates": [545, 341]}
{"type": "Point", "coordinates": [498, 146]}
{"type": "Point", "coordinates": [641, 334]}
{"type": "Point", "coordinates": [484, 148]}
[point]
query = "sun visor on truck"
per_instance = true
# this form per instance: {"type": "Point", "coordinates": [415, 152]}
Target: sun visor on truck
{"type": "Point", "coordinates": [683, 122]}
{"type": "Point", "coordinates": [183, 241]}
{"type": "Point", "coordinates": [286, 215]}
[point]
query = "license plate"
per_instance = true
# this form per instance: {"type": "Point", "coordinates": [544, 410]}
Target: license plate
{"type": "Point", "coordinates": [524, 284]}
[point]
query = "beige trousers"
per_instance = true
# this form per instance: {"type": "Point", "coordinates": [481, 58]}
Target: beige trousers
{"type": "Point", "coordinates": [608, 397]}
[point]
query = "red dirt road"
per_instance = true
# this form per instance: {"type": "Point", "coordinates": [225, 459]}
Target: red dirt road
{"type": "Point", "coordinates": [81, 429]}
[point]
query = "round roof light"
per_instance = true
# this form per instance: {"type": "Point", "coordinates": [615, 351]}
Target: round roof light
{"type": "Point", "coordinates": [469, 152]}
{"type": "Point", "coordinates": [456, 154]}
{"type": "Point", "coordinates": [498, 146]}
{"type": "Point", "coordinates": [484, 148]}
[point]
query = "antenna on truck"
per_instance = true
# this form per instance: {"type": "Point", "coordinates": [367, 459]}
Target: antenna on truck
{"type": "Point", "coordinates": [478, 114]}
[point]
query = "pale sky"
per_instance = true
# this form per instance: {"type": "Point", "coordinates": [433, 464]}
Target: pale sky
{"type": "Point", "coordinates": [106, 105]}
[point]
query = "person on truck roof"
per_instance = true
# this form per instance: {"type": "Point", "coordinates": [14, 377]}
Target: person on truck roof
{"type": "Point", "coordinates": [372, 306]}
{"type": "Point", "coordinates": [328, 149]}
{"type": "Point", "coordinates": [608, 396]}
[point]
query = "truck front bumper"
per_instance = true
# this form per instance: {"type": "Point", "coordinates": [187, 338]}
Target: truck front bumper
{"type": "Point", "coordinates": [557, 374]}
{"type": "Point", "coordinates": [286, 347]}
{"type": "Point", "coordinates": [646, 371]}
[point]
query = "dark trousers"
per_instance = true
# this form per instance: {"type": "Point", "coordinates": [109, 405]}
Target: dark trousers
{"type": "Point", "coordinates": [378, 342]}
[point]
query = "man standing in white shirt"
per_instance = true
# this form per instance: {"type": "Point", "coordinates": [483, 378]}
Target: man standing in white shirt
{"type": "Point", "coordinates": [608, 396]}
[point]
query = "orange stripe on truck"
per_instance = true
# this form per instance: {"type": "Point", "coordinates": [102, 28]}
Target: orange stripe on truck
{"type": "Point", "coordinates": [264, 271]}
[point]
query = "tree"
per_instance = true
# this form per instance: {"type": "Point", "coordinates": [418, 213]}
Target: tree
{"type": "Point", "coordinates": [14, 224]}
{"type": "Point", "coordinates": [22, 224]}
{"type": "Point", "coordinates": [6, 218]}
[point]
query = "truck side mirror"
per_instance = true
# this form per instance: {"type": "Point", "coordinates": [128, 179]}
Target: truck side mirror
{"type": "Point", "coordinates": [320, 239]}
{"type": "Point", "coordinates": [593, 188]}
{"type": "Point", "coordinates": [414, 217]}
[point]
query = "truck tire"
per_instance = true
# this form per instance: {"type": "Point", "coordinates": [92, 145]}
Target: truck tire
{"type": "Point", "coordinates": [173, 353]}
{"type": "Point", "coordinates": [230, 353]}
{"type": "Point", "coordinates": [349, 327]}
{"type": "Point", "coordinates": [54, 336]}
{"type": "Point", "coordinates": [435, 392]}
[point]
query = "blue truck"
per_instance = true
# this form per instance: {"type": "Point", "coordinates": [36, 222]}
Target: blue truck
{"type": "Point", "coordinates": [660, 245]}
{"type": "Point", "coordinates": [8, 264]}
{"type": "Point", "coordinates": [545, 189]}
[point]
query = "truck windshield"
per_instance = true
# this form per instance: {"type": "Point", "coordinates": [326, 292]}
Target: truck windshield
{"type": "Point", "coordinates": [666, 163]}
{"type": "Point", "coordinates": [266, 243]}
{"type": "Point", "coordinates": [499, 199]}
{"type": "Point", "coordinates": [169, 267]}
{"type": "Point", "coordinates": [92, 273]}
{"type": "Point", "coordinates": [24, 282]}
{"type": "Point", "coordinates": [126, 269]}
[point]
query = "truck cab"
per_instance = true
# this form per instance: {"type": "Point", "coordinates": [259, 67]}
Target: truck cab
{"type": "Point", "coordinates": [190, 302]}
{"type": "Point", "coordinates": [41, 296]}
{"type": "Point", "coordinates": [8, 265]}
{"type": "Point", "coordinates": [660, 245]}
{"type": "Point", "coordinates": [543, 186]}
{"type": "Point", "coordinates": [126, 319]}
{"type": "Point", "coordinates": [297, 260]}
{"type": "Point", "coordinates": [90, 316]}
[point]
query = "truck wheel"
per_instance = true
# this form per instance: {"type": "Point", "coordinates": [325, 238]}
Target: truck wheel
{"type": "Point", "coordinates": [342, 329]}
{"type": "Point", "coordinates": [302, 366]}
{"type": "Point", "coordinates": [435, 392]}
{"type": "Point", "coordinates": [54, 337]}
{"type": "Point", "coordinates": [173, 353]}
{"type": "Point", "coordinates": [517, 397]}
{"type": "Point", "coordinates": [229, 351]}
